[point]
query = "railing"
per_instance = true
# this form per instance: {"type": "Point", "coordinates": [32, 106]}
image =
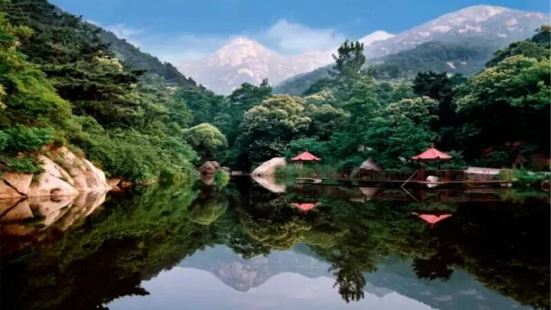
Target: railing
{"type": "Point", "coordinates": [402, 176]}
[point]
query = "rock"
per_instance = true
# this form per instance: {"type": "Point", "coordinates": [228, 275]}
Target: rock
{"type": "Point", "coordinates": [370, 164]}
{"type": "Point", "coordinates": [207, 178]}
{"type": "Point", "coordinates": [369, 192]}
{"type": "Point", "coordinates": [47, 184]}
{"type": "Point", "coordinates": [8, 192]}
{"type": "Point", "coordinates": [50, 167]}
{"type": "Point", "coordinates": [50, 210]}
{"type": "Point", "coordinates": [209, 167]}
{"type": "Point", "coordinates": [6, 204]}
{"type": "Point", "coordinates": [21, 182]}
{"type": "Point", "coordinates": [86, 177]}
{"type": "Point", "coordinates": [113, 182]}
{"type": "Point", "coordinates": [125, 184]}
{"type": "Point", "coordinates": [64, 174]}
{"type": "Point", "coordinates": [432, 181]}
{"type": "Point", "coordinates": [82, 206]}
{"type": "Point", "coordinates": [269, 183]}
{"type": "Point", "coordinates": [19, 212]}
{"type": "Point", "coordinates": [269, 167]}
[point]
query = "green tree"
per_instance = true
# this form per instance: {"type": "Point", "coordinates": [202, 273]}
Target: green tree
{"type": "Point", "coordinates": [267, 128]}
{"type": "Point", "coordinates": [350, 59]}
{"type": "Point", "coordinates": [508, 104]}
{"type": "Point", "coordinates": [400, 131]}
{"type": "Point", "coordinates": [205, 138]}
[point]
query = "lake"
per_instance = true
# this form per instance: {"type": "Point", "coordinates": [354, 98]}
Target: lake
{"type": "Point", "coordinates": [300, 247]}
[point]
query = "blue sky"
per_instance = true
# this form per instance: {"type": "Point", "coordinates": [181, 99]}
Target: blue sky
{"type": "Point", "coordinates": [179, 29]}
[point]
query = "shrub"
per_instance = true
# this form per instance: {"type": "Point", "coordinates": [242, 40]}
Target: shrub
{"type": "Point", "coordinates": [26, 164]}
{"type": "Point", "coordinates": [25, 139]}
{"type": "Point", "coordinates": [221, 178]}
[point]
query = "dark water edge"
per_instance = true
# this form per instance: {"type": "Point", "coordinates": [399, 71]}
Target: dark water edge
{"type": "Point", "coordinates": [135, 248]}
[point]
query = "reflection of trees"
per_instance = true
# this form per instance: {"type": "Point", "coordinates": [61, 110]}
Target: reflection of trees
{"type": "Point", "coordinates": [136, 236]}
{"type": "Point", "coordinates": [208, 206]}
{"type": "Point", "coordinates": [132, 239]}
{"type": "Point", "coordinates": [502, 245]}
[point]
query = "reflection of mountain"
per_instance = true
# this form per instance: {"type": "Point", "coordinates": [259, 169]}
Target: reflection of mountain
{"type": "Point", "coordinates": [461, 291]}
{"type": "Point", "coordinates": [242, 274]}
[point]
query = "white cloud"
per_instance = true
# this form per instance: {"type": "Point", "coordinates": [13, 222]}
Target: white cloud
{"type": "Point", "coordinates": [175, 48]}
{"type": "Point", "coordinates": [283, 36]}
{"type": "Point", "coordinates": [124, 31]}
{"type": "Point", "coordinates": [291, 37]}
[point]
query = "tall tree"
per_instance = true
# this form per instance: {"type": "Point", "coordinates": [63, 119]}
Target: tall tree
{"type": "Point", "coordinates": [350, 59]}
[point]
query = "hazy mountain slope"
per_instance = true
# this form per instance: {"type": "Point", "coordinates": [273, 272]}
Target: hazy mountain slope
{"type": "Point", "coordinates": [298, 84]}
{"type": "Point", "coordinates": [464, 58]}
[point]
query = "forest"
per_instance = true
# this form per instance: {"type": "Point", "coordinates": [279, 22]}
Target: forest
{"type": "Point", "coordinates": [65, 82]}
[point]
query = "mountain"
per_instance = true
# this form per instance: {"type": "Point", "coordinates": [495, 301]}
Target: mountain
{"type": "Point", "coordinates": [243, 274]}
{"type": "Point", "coordinates": [459, 42]}
{"type": "Point", "coordinates": [464, 58]}
{"type": "Point", "coordinates": [244, 60]}
{"type": "Point", "coordinates": [490, 25]}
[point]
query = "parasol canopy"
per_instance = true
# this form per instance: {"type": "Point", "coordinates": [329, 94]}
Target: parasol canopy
{"type": "Point", "coordinates": [432, 154]}
{"type": "Point", "coordinates": [305, 156]}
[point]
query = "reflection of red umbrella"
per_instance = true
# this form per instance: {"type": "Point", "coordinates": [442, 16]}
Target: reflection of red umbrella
{"type": "Point", "coordinates": [305, 206]}
{"type": "Point", "coordinates": [432, 219]}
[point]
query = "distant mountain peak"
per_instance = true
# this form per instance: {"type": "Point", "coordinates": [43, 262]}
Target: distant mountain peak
{"type": "Point", "coordinates": [378, 35]}
{"type": "Point", "coordinates": [493, 25]}
{"type": "Point", "coordinates": [242, 42]}
{"type": "Point", "coordinates": [242, 60]}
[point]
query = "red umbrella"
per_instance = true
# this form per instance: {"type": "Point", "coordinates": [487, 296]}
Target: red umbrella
{"type": "Point", "coordinates": [432, 154]}
{"type": "Point", "coordinates": [305, 156]}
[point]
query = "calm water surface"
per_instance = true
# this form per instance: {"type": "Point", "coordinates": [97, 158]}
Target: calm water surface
{"type": "Point", "coordinates": [247, 247]}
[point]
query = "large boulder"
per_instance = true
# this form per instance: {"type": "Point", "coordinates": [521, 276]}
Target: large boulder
{"type": "Point", "coordinates": [20, 212]}
{"type": "Point", "coordinates": [48, 185]}
{"type": "Point", "coordinates": [209, 167]}
{"type": "Point", "coordinates": [21, 182]}
{"type": "Point", "coordinates": [8, 192]}
{"type": "Point", "coordinates": [85, 176]}
{"type": "Point", "coordinates": [269, 182]}
{"type": "Point", "coordinates": [370, 164]}
{"type": "Point", "coordinates": [64, 174]}
{"type": "Point", "coordinates": [269, 167]}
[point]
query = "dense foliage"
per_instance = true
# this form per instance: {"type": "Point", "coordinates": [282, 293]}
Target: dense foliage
{"type": "Point", "coordinates": [498, 117]}
{"type": "Point", "coordinates": [61, 83]}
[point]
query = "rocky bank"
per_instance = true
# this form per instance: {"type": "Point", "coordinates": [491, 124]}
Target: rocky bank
{"type": "Point", "coordinates": [64, 174]}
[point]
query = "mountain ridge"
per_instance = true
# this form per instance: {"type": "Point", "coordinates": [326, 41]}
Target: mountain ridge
{"type": "Point", "coordinates": [461, 41]}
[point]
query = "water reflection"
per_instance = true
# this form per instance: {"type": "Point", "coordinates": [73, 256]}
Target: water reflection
{"type": "Point", "coordinates": [246, 247]}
